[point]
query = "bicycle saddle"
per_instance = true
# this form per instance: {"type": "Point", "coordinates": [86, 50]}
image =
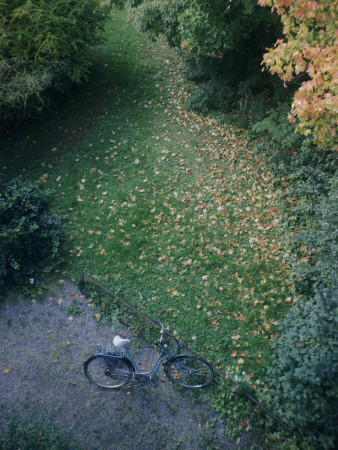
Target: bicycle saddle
{"type": "Point", "coordinates": [120, 342]}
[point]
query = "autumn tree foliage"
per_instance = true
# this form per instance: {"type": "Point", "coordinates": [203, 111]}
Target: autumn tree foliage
{"type": "Point", "coordinates": [308, 55]}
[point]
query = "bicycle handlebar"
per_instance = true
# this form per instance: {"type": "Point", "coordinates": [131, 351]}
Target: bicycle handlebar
{"type": "Point", "coordinates": [162, 328]}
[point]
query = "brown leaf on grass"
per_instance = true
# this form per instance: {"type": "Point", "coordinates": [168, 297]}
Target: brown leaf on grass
{"type": "Point", "coordinates": [4, 370]}
{"type": "Point", "coordinates": [244, 421]}
{"type": "Point", "coordinates": [235, 336]}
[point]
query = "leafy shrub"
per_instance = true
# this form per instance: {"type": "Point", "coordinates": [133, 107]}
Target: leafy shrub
{"type": "Point", "coordinates": [212, 90]}
{"type": "Point", "coordinates": [304, 371]}
{"type": "Point", "coordinates": [58, 30]}
{"type": "Point", "coordinates": [43, 46]}
{"type": "Point", "coordinates": [320, 238]}
{"type": "Point", "coordinates": [24, 86]}
{"type": "Point", "coordinates": [276, 124]}
{"type": "Point", "coordinates": [213, 94]}
{"type": "Point", "coordinates": [310, 200]}
{"type": "Point", "coordinates": [304, 368]}
{"type": "Point", "coordinates": [27, 431]}
{"type": "Point", "coordinates": [29, 235]}
{"type": "Point", "coordinates": [231, 82]}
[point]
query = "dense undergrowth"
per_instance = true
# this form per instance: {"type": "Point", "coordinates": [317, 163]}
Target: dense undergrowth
{"type": "Point", "coordinates": [174, 210]}
{"type": "Point", "coordinates": [303, 372]}
{"type": "Point", "coordinates": [25, 431]}
{"type": "Point", "coordinates": [30, 235]}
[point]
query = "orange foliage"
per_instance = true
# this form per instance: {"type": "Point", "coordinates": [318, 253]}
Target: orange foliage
{"type": "Point", "coordinates": [310, 46]}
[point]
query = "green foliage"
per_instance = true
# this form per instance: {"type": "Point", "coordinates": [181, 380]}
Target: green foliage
{"type": "Point", "coordinates": [44, 46]}
{"type": "Point", "coordinates": [211, 95]}
{"type": "Point", "coordinates": [205, 27]}
{"type": "Point", "coordinates": [318, 255]}
{"type": "Point", "coordinates": [57, 30]}
{"type": "Point", "coordinates": [310, 199]}
{"type": "Point", "coordinates": [276, 124]}
{"type": "Point", "coordinates": [303, 375]}
{"type": "Point", "coordinates": [222, 44]}
{"type": "Point", "coordinates": [24, 86]}
{"type": "Point", "coordinates": [29, 235]}
{"type": "Point", "coordinates": [30, 432]}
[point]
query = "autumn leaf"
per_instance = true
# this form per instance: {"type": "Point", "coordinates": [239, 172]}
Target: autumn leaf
{"type": "Point", "coordinates": [244, 421]}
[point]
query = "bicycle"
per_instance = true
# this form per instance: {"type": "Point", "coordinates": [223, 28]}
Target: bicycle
{"type": "Point", "coordinates": [110, 367]}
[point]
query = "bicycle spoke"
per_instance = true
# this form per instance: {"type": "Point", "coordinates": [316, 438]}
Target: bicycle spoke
{"type": "Point", "coordinates": [108, 372]}
{"type": "Point", "coordinates": [189, 371]}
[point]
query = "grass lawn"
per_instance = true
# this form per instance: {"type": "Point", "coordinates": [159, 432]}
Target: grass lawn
{"type": "Point", "coordinates": [167, 207]}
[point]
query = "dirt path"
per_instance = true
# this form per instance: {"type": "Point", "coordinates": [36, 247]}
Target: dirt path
{"type": "Point", "coordinates": [42, 348]}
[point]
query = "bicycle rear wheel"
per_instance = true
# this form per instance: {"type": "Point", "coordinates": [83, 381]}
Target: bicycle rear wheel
{"type": "Point", "coordinates": [108, 372]}
{"type": "Point", "coordinates": [189, 371]}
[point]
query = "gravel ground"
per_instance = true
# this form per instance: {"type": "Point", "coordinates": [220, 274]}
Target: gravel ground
{"type": "Point", "coordinates": [42, 349]}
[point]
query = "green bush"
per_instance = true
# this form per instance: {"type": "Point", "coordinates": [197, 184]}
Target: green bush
{"type": "Point", "coordinates": [212, 90]}
{"type": "Point", "coordinates": [302, 378]}
{"type": "Point", "coordinates": [24, 87]}
{"type": "Point", "coordinates": [310, 202]}
{"type": "Point", "coordinates": [304, 371]}
{"type": "Point", "coordinates": [43, 47]}
{"type": "Point", "coordinates": [57, 30]}
{"type": "Point", "coordinates": [318, 262]}
{"type": "Point", "coordinates": [214, 94]}
{"type": "Point", "coordinates": [30, 236]}
{"type": "Point", "coordinates": [26, 431]}
{"type": "Point", "coordinates": [279, 129]}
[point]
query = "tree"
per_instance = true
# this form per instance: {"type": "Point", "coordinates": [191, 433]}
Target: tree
{"type": "Point", "coordinates": [308, 53]}
{"type": "Point", "coordinates": [204, 26]}
{"type": "Point", "coordinates": [221, 41]}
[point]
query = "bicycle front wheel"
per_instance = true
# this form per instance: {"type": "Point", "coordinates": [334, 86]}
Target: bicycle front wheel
{"type": "Point", "coordinates": [189, 371]}
{"type": "Point", "coordinates": [108, 372]}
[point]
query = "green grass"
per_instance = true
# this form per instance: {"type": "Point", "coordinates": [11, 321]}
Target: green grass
{"type": "Point", "coordinates": [164, 206]}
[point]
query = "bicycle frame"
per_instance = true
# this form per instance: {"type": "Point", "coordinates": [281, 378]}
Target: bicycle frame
{"type": "Point", "coordinates": [164, 355]}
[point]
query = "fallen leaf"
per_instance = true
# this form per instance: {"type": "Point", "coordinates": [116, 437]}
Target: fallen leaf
{"type": "Point", "coordinates": [244, 421]}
